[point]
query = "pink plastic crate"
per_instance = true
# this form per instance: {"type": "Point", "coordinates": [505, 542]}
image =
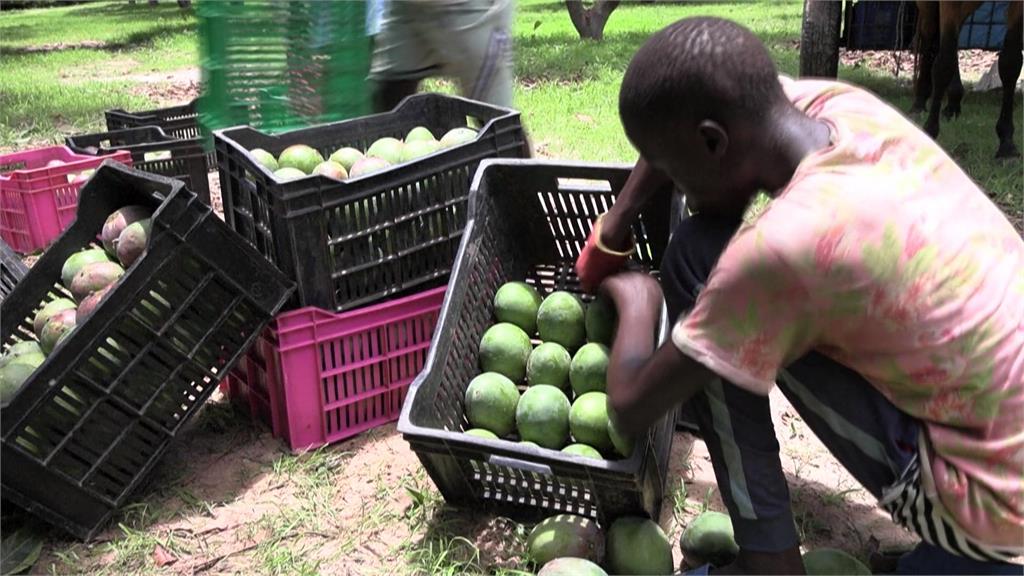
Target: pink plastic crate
{"type": "Point", "coordinates": [317, 377]}
{"type": "Point", "coordinates": [38, 202]}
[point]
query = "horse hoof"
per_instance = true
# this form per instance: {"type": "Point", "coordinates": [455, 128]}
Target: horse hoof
{"type": "Point", "coordinates": [951, 113]}
{"type": "Point", "coordinates": [1007, 152]}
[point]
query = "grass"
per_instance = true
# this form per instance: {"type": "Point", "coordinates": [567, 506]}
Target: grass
{"type": "Point", "coordinates": [62, 90]}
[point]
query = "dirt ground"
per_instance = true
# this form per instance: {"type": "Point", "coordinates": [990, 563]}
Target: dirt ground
{"type": "Point", "coordinates": [229, 499]}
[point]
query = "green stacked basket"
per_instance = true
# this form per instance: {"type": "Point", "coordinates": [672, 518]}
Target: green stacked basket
{"type": "Point", "coordinates": [280, 64]}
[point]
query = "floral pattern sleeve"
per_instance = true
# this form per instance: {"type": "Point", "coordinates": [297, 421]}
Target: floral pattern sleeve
{"type": "Point", "coordinates": [753, 317]}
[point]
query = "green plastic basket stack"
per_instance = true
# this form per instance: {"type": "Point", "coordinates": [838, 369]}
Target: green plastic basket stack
{"type": "Point", "coordinates": [282, 64]}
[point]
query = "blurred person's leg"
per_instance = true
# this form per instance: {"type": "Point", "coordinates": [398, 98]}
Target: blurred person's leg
{"type": "Point", "coordinates": [402, 55]}
{"type": "Point", "coordinates": [474, 41]}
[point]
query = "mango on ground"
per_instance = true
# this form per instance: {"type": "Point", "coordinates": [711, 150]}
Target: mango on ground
{"type": "Point", "coordinates": [565, 535]}
{"type": "Point", "coordinates": [709, 539]}
{"type": "Point", "coordinates": [560, 318]}
{"type": "Point", "coordinates": [490, 402]}
{"type": "Point", "coordinates": [505, 349]}
{"type": "Point", "coordinates": [542, 416]}
{"type": "Point", "coordinates": [638, 546]}
{"type": "Point", "coordinates": [830, 561]}
{"type": "Point", "coordinates": [518, 303]}
{"type": "Point", "coordinates": [549, 364]}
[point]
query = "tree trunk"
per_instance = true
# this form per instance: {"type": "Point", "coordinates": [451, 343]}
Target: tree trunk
{"type": "Point", "coordinates": [819, 38]}
{"type": "Point", "coordinates": [589, 22]}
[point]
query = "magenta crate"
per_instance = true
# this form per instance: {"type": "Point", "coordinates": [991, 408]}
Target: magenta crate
{"type": "Point", "coordinates": [38, 201]}
{"type": "Point", "coordinates": [318, 377]}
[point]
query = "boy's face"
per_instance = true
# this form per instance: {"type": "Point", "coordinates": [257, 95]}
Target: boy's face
{"type": "Point", "coordinates": [713, 181]}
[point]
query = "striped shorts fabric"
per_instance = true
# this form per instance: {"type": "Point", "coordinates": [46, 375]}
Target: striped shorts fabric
{"type": "Point", "coordinates": [906, 502]}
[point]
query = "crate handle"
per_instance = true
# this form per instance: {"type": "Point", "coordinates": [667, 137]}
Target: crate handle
{"type": "Point", "coordinates": [584, 184]}
{"type": "Point", "coordinates": [507, 462]}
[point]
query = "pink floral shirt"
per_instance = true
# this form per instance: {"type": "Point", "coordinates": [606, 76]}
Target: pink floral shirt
{"type": "Point", "coordinates": [883, 255]}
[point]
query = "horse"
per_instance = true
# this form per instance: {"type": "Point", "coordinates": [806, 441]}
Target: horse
{"type": "Point", "coordinates": [938, 73]}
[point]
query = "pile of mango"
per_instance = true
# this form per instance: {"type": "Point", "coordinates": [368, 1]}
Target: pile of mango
{"type": "Point", "coordinates": [88, 276]}
{"type": "Point", "coordinates": [299, 160]}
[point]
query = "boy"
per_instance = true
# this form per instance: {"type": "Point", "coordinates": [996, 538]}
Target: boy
{"type": "Point", "coordinates": [881, 290]}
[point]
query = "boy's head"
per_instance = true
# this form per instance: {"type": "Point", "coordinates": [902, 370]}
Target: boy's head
{"type": "Point", "coordinates": [696, 101]}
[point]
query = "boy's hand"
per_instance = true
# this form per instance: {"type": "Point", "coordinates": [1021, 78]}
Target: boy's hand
{"type": "Point", "coordinates": [636, 295]}
{"type": "Point", "coordinates": [598, 260]}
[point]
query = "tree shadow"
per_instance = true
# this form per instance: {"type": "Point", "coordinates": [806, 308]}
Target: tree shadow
{"type": "Point", "coordinates": [132, 41]}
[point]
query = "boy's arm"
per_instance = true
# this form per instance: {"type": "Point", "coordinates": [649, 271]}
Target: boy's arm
{"type": "Point", "coordinates": [643, 181]}
{"type": "Point", "coordinates": [644, 383]}
{"type": "Point", "coordinates": [609, 244]}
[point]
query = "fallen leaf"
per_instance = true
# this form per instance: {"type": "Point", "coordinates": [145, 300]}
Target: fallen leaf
{"type": "Point", "coordinates": [20, 550]}
{"type": "Point", "coordinates": [584, 118]}
{"type": "Point", "coordinates": [161, 557]}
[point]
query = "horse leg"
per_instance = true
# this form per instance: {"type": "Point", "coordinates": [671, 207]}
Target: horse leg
{"type": "Point", "coordinates": [942, 75]}
{"type": "Point", "coordinates": [926, 44]}
{"type": "Point", "coordinates": [1009, 71]}
{"type": "Point", "coordinates": [955, 92]}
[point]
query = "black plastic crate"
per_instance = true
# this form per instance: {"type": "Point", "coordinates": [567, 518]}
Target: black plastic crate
{"type": "Point", "coordinates": [12, 270]}
{"type": "Point", "coordinates": [89, 425]}
{"type": "Point", "coordinates": [177, 121]}
{"type": "Point", "coordinates": [351, 243]}
{"type": "Point", "coordinates": [152, 151]}
{"type": "Point", "coordinates": [528, 220]}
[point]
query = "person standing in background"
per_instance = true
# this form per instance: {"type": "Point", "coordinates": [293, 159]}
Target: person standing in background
{"type": "Point", "coordinates": [469, 40]}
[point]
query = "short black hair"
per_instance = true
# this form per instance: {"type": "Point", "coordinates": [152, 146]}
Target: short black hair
{"type": "Point", "coordinates": [699, 68]}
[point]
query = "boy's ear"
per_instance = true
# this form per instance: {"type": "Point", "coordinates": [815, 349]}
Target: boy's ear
{"type": "Point", "coordinates": [715, 140]}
